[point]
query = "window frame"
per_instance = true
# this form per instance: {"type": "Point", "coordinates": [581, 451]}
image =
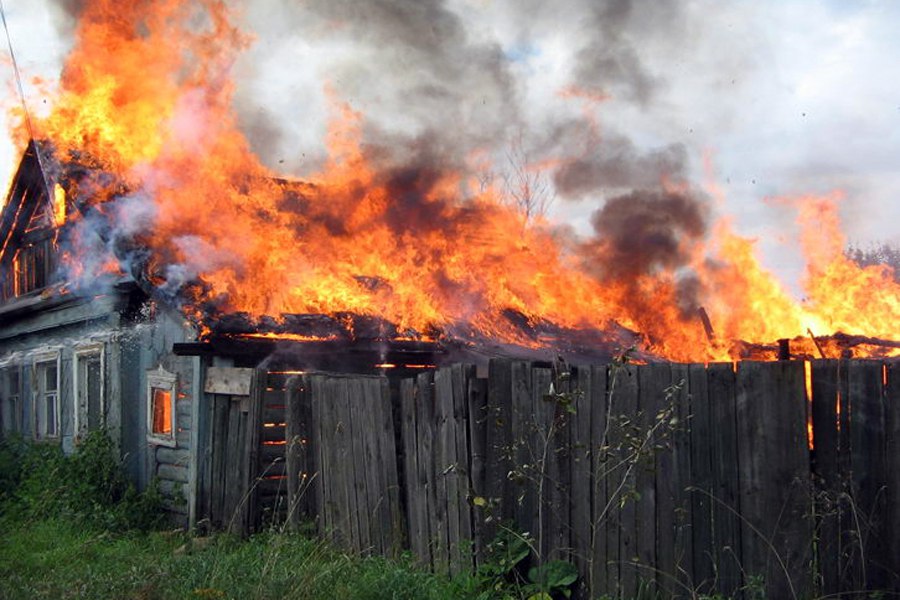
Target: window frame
{"type": "Point", "coordinates": [39, 394]}
{"type": "Point", "coordinates": [161, 379]}
{"type": "Point", "coordinates": [14, 411]}
{"type": "Point", "coordinates": [80, 353]}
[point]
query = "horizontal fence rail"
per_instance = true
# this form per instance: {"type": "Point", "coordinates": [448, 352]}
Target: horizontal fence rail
{"type": "Point", "coordinates": [661, 480]}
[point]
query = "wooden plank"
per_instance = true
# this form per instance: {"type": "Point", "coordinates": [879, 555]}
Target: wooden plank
{"type": "Point", "coordinates": [459, 376]}
{"type": "Point", "coordinates": [621, 480]}
{"type": "Point", "coordinates": [497, 489]}
{"type": "Point", "coordinates": [253, 448]}
{"type": "Point", "coordinates": [353, 503]}
{"type": "Point", "coordinates": [363, 467]}
{"type": "Point", "coordinates": [477, 421]}
{"type": "Point", "coordinates": [580, 464]}
{"type": "Point", "coordinates": [726, 507]}
{"type": "Point", "coordinates": [172, 473]}
{"type": "Point", "coordinates": [293, 451]}
{"type": "Point", "coordinates": [436, 492]}
{"type": "Point", "coordinates": [173, 456]}
{"type": "Point", "coordinates": [415, 489]}
{"type": "Point", "coordinates": [229, 381]}
{"type": "Point", "coordinates": [869, 480]}
{"type": "Point", "coordinates": [524, 447]}
{"type": "Point", "coordinates": [321, 454]}
{"type": "Point", "coordinates": [447, 484]}
{"type": "Point", "coordinates": [542, 476]}
{"type": "Point", "coordinates": [379, 464]}
{"type": "Point", "coordinates": [704, 569]}
{"type": "Point", "coordinates": [388, 448]}
{"type": "Point", "coordinates": [656, 509]}
{"type": "Point", "coordinates": [681, 481]}
{"type": "Point", "coordinates": [233, 460]}
{"type": "Point", "coordinates": [559, 526]}
{"type": "Point", "coordinates": [775, 480]}
{"type": "Point", "coordinates": [598, 579]}
{"type": "Point", "coordinates": [892, 468]}
{"type": "Point", "coordinates": [827, 476]}
{"type": "Point", "coordinates": [218, 484]}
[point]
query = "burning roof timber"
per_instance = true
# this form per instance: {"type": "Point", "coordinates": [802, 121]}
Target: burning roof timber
{"type": "Point", "coordinates": [99, 250]}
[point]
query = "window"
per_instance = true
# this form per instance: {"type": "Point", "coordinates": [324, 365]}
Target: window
{"type": "Point", "coordinates": [46, 399]}
{"type": "Point", "coordinates": [161, 407]}
{"type": "Point", "coordinates": [90, 413]}
{"type": "Point", "coordinates": [11, 387]}
{"type": "Point", "coordinates": [33, 267]}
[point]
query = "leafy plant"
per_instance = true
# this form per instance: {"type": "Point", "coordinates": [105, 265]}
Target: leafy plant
{"type": "Point", "coordinates": [89, 487]}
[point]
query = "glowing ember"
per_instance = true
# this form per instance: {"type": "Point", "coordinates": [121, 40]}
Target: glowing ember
{"type": "Point", "coordinates": [146, 100]}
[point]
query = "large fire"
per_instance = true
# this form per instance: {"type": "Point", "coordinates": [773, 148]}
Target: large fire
{"type": "Point", "coordinates": [146, 96]}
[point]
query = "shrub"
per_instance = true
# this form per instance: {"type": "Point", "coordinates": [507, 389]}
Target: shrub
{"type": "Point", "coordinates": [89, 487]}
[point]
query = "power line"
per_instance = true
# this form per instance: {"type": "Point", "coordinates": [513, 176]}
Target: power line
{"type": "Point", "coordinates": [18, 75]}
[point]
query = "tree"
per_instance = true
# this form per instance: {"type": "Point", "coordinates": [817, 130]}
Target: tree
{"type": "Point", "coordinates": [876, 254]}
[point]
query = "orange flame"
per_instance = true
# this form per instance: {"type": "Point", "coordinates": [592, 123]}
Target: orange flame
{"type": "Point", "coordinates": [146, 93]}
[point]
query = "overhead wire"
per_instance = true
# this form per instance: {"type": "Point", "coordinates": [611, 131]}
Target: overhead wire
{"type": "Point", "coordinates": [18, 75]}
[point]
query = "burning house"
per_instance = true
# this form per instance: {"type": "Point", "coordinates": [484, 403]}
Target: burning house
{"type": "Point", "coordinates": [256, 342]}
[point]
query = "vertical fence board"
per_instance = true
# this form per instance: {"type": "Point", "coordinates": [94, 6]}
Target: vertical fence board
{"type": "Point", "coordinates": [461, 470]}
{"type": "Point", "coordinates": [523, 447]}
{"type": "Point", "coordinates": [362, 468]}
{"type": "Point", "coordinates": [416, 505]}
{"type": "Point", "coordinates": [681, 465]}
{"type": "Point", "coordinates": [580, 491]}
{"type": "Point", "coordinates": [598, 579]}
{"type": "Point", "coordinates": [892, 469]}
{"type": "Point", "coordinates": [826, 473]}
{"type": "Point", "coordinates": [448, 481]}
{"type": "Point", "coordinates": [726, 501]}
{"type": "Point", "coordinates": [498, 490]}
{"type": "Point", "coordinates": [622, 479]}
{"type": "Point", "coordinates": [775, 498]}
{"type": "Point", "coordinates": [389, 497]}
{"type": "Point", "coordinates": [704, 574]}
{"type": "Point", "coordinates": [655, 509]}
{"type": "Point", "coordinates": [295, 465]}
{"type": "Point", "coordinates": [426, 433]}
{"type": "Point", "coordinates": [560, 526]}
{"type": "Point", "coordinates": [867, 438]}
{"type": "Point", "coordinates": [477, 423]}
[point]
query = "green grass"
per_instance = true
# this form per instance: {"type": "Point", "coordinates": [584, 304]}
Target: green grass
{"type": "Point", "coordinates": [52, 558]}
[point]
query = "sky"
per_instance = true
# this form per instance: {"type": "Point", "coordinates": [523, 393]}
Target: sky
{"type": "Point", "coordinates": [744, 101]}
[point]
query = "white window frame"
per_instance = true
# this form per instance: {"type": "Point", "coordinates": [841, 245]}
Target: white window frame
{"type": "Point", "coordinates": [81, 352]}
{"type": "Point", "coordinates": [16, 413]}
{"type": "Point", "coordinates": [38, 395]}
{"type": "Point", "coordinates": [164, 380]}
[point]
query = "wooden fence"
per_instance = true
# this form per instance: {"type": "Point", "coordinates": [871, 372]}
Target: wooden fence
{"type": "Point", "coordinates": [665, 478]}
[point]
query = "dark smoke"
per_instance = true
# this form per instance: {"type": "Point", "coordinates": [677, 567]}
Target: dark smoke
{"type": "Point", "coordinates": [643, 232]}
{"type": "Point", "coordinates": [615, 162]}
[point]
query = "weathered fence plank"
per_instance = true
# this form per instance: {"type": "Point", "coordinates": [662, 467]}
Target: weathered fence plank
{"type": "Point", "coordinates": [892, 469]}
{"type": "Point", "coordinates": [869, 480]}
{"type": "Point", "coordinates": [726, 508]}
{"type": "Point", "coordinates": [598, 578]}
{"type": "Point", "coordinates": [498, 491]}
{"type": "Point", "coordinates": [622, 479]}
{"type": "Point", "coordinates": [653, 381]}
{"type": "Point", "coordinates": [580, 496]}
{"type": "Point", "coordinates": [775, 479]}
{"type": "Point", "coordinates": [416, 500]}
{"type": "Point", "coordinates": [701, 426]}
{"type": "Point", "coordinates": [477, 426]}
{"type": "Point", "coordinates": [826, 472]}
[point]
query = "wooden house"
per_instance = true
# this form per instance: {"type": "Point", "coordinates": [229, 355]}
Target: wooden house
{"type": "Point", "coordinates": [72, 362]}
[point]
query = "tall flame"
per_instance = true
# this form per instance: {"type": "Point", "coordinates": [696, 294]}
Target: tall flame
{"type": "Point", "coordinates": [146, 94]}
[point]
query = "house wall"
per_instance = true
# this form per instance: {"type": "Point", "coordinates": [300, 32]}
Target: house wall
{"type": "Point", "coordinates": [146, 350]}
{"type": "Point", "coordinates": [129, 351]}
